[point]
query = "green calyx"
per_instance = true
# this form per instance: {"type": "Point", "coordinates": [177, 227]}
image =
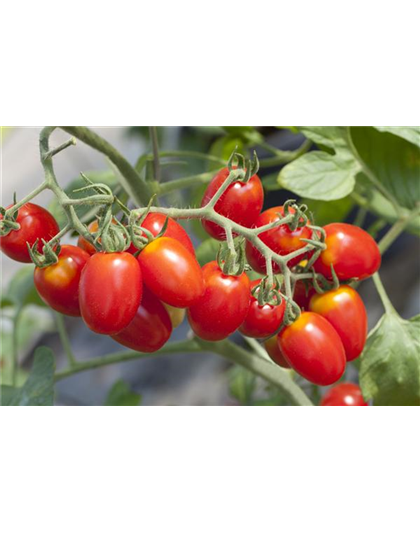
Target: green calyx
{"type": "Point", "coordinates": [266, 293]}
{"type": "Point", "coordinates": [48, 257]}
{"type": "Point", "coordinates": [232, 260]}
{"type": "Point", "coordinates": [8, 222]}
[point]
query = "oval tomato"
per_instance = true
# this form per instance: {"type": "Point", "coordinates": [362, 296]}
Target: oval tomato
{"type": "Point", "coordinates": [273, 350]}
{"type": "Point", "coordinates": [351, 250]}
{"type": "Point", "coordinates": [281, 240]}
{"type": "Point", "coordinates": [110, 291]}
{"type": "Point", "coordinates": [35, 223]}
{"type": "Point", "coordinates": [345, 311]}
{"type": "Point", "coordinates": [344, 394]}
{"type": "Point", "coordinates": [150, 328]}
{"type": "Point", "coordinates": [241, 202]}
{"type": "Point", "coordinates": [171, 272]}
{"type": "Point", "coordinates": [303, 293]}
{"type": "Point", "coordinates": [262, 320]}
{"type": "Point", "coordinates": [154, 223]}
{"type": "Point", "coordinates": [58, 284]}
{"type": "Point", "coordinates": [223, 307]}
{"type": "Point", "coordinates": [314, 349]}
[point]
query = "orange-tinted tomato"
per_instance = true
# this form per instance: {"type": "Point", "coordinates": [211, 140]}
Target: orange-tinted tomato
{"type": "Point", "coordinates": [223, 306]}
{"type": "Point", "coordinates": [171, 272]}
{"type": "Point", "coordinates": [150, 328]}
{"type": "Point", "coordinates": [281, 240]}
{"type": "Point", "coordinates": [176, 314]}
{"type": "Point", "coordinates": [314, 349]}
{"type": "Point", "coordinates": [262, 321]}
{"type": "Point", "coordinates": [86, 245]}
{"type": "Point", "coordinates": [35, 223]}
{"type": "Point", "coordinates": [58, 284]}
{"type": "Point", "coordinates": [351, 250]}
{"type": "Point", "coordinates": [154, 223]}
{"type": "Point", "coordinates": [273, 350]}
{"type": "Point", "coordinates": [344, 394]}
{"type": "Point", "coordinates": [241, 202]}
{"type": "Point", "coordinates": [110, 291]}
{"type": "Point", "coordinates": [345, 311]}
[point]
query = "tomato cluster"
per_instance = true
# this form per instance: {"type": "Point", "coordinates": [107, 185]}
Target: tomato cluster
{"type": "Point", "coordinates": [137, 296]}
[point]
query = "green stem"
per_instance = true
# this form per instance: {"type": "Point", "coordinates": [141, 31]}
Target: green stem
{"type": "Point", "coordinates": [119, 357]}
{"type": "Point", "coordinates": [155, 147]}
{"type": "Point", "coordinates": [184, 183]}
{"type": "Point", "coordinates": [136, 187]}
{"type": "Point", "coordinates": [27, 198]}
{"type": "Point", "coordinates": [386, 302]}
{"type": "Point", "coordinates": [269, 371]}
{"type": "Point", "coordinates": [59, 319]}
{"type": "Point", "coordinates": [394, 232]}
{"type": "Point", "coordinates": [286, 156]}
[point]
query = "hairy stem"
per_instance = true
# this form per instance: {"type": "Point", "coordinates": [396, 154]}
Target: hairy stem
{"type": "Point", "coordinates": [65, 341]}
{"type": "Point", "coordinates": [386, 302]}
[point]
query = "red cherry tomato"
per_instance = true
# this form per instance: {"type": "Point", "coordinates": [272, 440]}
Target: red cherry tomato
{"type": "Point", "coordinates": [345, 311]}
{"type": "Point", "coordinates": [223, 307]}
{"type": "Point", "coordinates": [110, 291]}
{"type": "Point", "coordinates": [150, 328]}
{"type": "Point", "coordinates": [303, 293]}
{"type": "Point", "coordinates": [154, 223]}
{"type": "Point", "coordinates": [313, 348]}
{"type": "Point", "coordinates": [351, 250]}
{"type": "Point", "coordinates": [262, 321]}
{"type": "Point", "coordinates": [344, 465]}
{"type": "Point", "coordinates": [35, 223]}
{"type": "Point", "coordinates": [273, 350]}
{"type": "Point", "coordinates": [171, 272]}
{"type": "Point", "coordinates": [58, 284]}
{"type": "Point", "coordinates": [281, 240]}
{"type": "Point", "coordinates": [241, 202]}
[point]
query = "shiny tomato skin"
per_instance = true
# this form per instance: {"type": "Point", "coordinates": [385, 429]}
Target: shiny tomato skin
{"type": "Point", "coordinates": [351, 250]}
{"type": "Point", "coordinates": [241, 202]}
{"type": "Point", "coordinates": [280, 239]}
{"type": "Point", "coordinates": [35, 223]}
{"type": "Point", "coordinates": [58, 284]}
{"type": "Point", "coordinates": [344, 394]}
{"type": "Point", "coordinates": [171, 272]}
{"type": "Point", "coordinates": [303, 294]}
{"type": "Point", "coordinates": [273, 350]}
{"type": "Point", "coordinates": [154, 223]}
{"type": "Point", "coordinates": [223, 306]}
{"type": "Point", "coordinates": [314, 349]}
{"type": "Point", "coordinates": [346, 312]}
{"type": "Point", "coordinates": [262, 321]}
{"type": "Point", "coordinates": [110, 291]}
{"type": "Point", "coordinates": [150, 328]}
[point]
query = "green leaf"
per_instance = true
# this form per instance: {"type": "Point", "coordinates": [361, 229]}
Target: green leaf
{"type": "Point", "coordinates": [39, 387]}
{"type": "Point", "coordinates": [242, 385]}
{"type": "Point", "coordinates": [21, 290]}
{"type": "Point", "coordinates": [7, 394]}
{"type": "Point", "coordinates": [105, 176]}
{"type": "Point", "coordinates": [409, 133]}
{"type": "Point", "coordinates": [207, 251]}
{"type": "Point", "coordinates": [390, 363]}
{"type": "Point", "coordinates": [121, 394]}
{"type": "Point", "coordinates": [394, 161]}
{"type": "Point", "coordinates": [325, 175]}
{"type": "Point", "coordinates": [327, 212]}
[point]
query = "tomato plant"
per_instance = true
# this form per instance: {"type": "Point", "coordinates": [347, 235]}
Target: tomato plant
{"type": "Point", "coordinates": [110, 291]}
{"type": "Point", "coordinates": [345, 311]}
{"type": "Point", "coordinates": [344, 394]}
{"type": "Point", "coordinates": [350, 250]}
{"type": "Point", "coordinates": [223, 306]}
{"type": "Point", "coordinates": [313, 348]}
{"type": "Point", "coordinates": [36, 223]}
{"type": "Point", "coordinates": [150, 328]}
{"type": "Point", "coordinates": [171, 272]}
{"type": "Point", "coordinates": [282, 240]}
{"type": "Point", "coordinates": [58, 284]}
{"type": "Point", "coordinates": [241, 202]}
